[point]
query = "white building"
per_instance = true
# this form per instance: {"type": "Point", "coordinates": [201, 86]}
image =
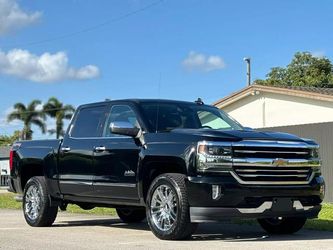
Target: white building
{"type": "Point", "coordinates": [260, 106]}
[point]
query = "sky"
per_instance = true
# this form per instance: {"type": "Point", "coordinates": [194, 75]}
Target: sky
{"type": "Point", "coordinates": [83, 51]}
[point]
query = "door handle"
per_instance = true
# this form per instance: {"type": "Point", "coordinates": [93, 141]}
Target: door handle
{"type": "Point", "coordinates": [65, 149]}
{"type": "Point", "coordinates": [100, 149]}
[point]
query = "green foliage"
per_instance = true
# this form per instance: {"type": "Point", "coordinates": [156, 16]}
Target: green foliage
{"type": "Point", "coordinates": [56, 109]}
{"type": "Point", "coordinates": [7, 201]}
{"type": "Point", "coordinates": [304, 70]}
{"type": "Point", "coordinates": [325, 220]}
{"type": "Point", "coordinates": [6, 140]}
{"type": "Point", "coordinates": [28, 115]}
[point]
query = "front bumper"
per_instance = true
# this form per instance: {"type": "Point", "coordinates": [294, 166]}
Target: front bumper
{"type": "Point", "coordinates": [213, 214]}
{"type": "Point", "coordinates": [242, 201]}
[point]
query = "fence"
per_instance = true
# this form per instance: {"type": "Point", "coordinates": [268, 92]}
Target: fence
{"type": "Point", "coordinates": [4, 171]}
{"type": "Point", "coordinates": [322, 133]}
{"type": "Point", "coordinates": [4, 180]}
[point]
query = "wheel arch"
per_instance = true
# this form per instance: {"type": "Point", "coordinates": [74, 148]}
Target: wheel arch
{"type": "Point", "coordinates": [155, 166]}
{"type": "Point", "coordinates": [30, 165]}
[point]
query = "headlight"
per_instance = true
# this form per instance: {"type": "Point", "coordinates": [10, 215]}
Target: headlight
{"type": "Point", "coordinates": [214, 156]}
{"type": "Point", "coordinates": [314, 153]}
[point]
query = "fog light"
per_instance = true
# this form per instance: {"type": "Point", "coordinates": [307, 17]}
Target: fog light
{"type": "Point", "coordinates": [216, 192]}
{"type": "Point", "coordinates": [322, 191]}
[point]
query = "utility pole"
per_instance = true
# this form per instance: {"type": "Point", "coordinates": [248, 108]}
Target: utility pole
{"type": "Point", "coordinates": [248, 72]}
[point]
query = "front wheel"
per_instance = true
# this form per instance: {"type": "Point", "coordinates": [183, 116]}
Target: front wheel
{"type": "Point", "coordinates": [285, 225]}
{"type": "Point", "coordinates": [168, 209]}
{"type": "Point", "coordinates": [37, 209]}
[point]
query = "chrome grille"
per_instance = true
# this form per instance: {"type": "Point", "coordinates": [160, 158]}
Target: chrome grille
{"type": "Point", "coordinates": [273, 175]}
{"type": "Point", "coordinates": [272, 152]}
{"type": "Point", "coordinates": [274, 162]}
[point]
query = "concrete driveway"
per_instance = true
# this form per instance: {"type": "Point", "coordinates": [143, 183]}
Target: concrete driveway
{"type": "Point", "coordinates": [74, 231]}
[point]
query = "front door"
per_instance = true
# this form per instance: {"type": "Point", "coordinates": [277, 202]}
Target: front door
{"type": "Point", "coordinates": [116, 159]}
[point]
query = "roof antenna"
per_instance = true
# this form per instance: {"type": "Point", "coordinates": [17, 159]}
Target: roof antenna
{"type": "Point", "coordinates": [199, 101]}
{"type": "Point", "coordinates": [158, 101]}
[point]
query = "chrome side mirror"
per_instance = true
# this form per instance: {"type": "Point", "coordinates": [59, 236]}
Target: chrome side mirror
{"type": "Point", "coordinates": [124, 128]}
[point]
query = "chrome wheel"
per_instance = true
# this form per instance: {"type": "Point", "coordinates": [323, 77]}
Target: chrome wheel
{"type": "Point", "coordinates": [32, 202]}
{"type": "Point", "coordinates": [163, 207]}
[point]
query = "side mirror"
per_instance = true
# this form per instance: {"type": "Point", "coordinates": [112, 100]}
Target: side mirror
{"type": "Point", "coordinates": [248, 128]}
{"type": "Point", "coordinates": [124, 128]}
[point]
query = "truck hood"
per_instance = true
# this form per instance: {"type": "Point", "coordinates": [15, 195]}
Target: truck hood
{"type": "Point", "coordinates": [238, 135]}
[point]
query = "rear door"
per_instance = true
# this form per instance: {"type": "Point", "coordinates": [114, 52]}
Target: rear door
{"type": "Point", "coordinates": [76, 169]}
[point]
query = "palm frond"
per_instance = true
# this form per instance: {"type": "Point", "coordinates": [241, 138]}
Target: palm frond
{"type": "Point", "coordinates": [38, 122]}
{"type": "Point", "coordinates": [20, 107]}
{"type": "Point", "coordinates": [33, 104]}
{"type": "Point", "coordinates": [14, 116]}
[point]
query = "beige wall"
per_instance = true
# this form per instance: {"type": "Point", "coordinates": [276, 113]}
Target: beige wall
{"type": "Point", "coordinates": [272, 110]}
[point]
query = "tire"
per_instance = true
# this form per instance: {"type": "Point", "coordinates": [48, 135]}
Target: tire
{"type": "Point", "coordinates": [131, 215]}
{"type": "Point", "coordinates": [36, 203]}
{"type": "Point", "coordinates": [286, 225]}
{"type": "Point", "coordinates": [167, 208]}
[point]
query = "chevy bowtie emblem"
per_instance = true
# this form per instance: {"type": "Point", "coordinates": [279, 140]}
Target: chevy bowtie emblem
{"type": "Point", "coordinates": [279, 162]}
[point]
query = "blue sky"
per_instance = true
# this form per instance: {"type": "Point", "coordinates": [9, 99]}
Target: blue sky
{"type": "Point", "coordinates": [173, 49]}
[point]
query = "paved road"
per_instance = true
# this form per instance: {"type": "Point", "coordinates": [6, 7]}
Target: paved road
{"type": "Point", "coordinates": [102, 232]}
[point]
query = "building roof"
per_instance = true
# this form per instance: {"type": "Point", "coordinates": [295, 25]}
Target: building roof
{"type": "Point", "coordinates": [4, 152]}
{"type": "Point", "coordinates": [323, 94]}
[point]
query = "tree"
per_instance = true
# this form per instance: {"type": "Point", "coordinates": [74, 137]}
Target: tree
{"type": "Point", "coordinates": [6, 140]}
{"type": "Point", "coordinates": [56, 109]}
{"type": "Point", "coordinates": [29, 116]}
{"type": "Point", "coordinates": [304, 70]}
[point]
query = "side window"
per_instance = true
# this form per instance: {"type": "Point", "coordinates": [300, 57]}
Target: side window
{"type": "Point", "coordinates": [120, 113]}
{"type": "Point", "coordinates": [89, 122]}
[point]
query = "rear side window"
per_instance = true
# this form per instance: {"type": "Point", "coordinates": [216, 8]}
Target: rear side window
{"type": "Point", "coordinates": [89, 122]}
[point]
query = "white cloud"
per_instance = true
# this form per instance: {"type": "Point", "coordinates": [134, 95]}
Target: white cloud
{"type": "Point", "coordinates": [201, 62]}
{"type": "Point", "coordinates": [44, 68]}
{"type": "Point", "coordinates": [12, 17]}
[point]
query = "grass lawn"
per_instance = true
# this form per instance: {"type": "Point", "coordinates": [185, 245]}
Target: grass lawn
{"type": "Point", "coordinates": [7, 201]}
{"type": "Point", "coordinates": [324, 222]}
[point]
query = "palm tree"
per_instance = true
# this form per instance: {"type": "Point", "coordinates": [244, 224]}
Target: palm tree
{"type": "Point", "coordinates": [56, 109]}
{"type": "Point", "coordinates": [29, 116]}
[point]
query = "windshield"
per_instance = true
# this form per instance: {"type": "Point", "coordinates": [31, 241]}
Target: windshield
{"type": "Point", "coordinates": [170, 116]}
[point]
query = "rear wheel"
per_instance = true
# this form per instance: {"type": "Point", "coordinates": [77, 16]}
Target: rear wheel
{"type": "Point", "coordinates": [37, 209]}
{"type": "Point", "coordinates": [168, 209]}
{"type": "Point", "coordinates": [130, 215]}
{"type": "Point", "coordinates": [285, 225]}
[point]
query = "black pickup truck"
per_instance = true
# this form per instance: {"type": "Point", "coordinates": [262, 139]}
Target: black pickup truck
{"type": "Point", "coordinates": [174, 163]}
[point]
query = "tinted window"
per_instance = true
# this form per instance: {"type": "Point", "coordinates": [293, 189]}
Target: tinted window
{"type": "Point", "coordinates": [89, 122]}
{"type": "Point", "coordinates": [210, 120]}
{"type": "Point", "coordinates": [120, 113]}
{"type": "Point", "coordinates": [168, 116]}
